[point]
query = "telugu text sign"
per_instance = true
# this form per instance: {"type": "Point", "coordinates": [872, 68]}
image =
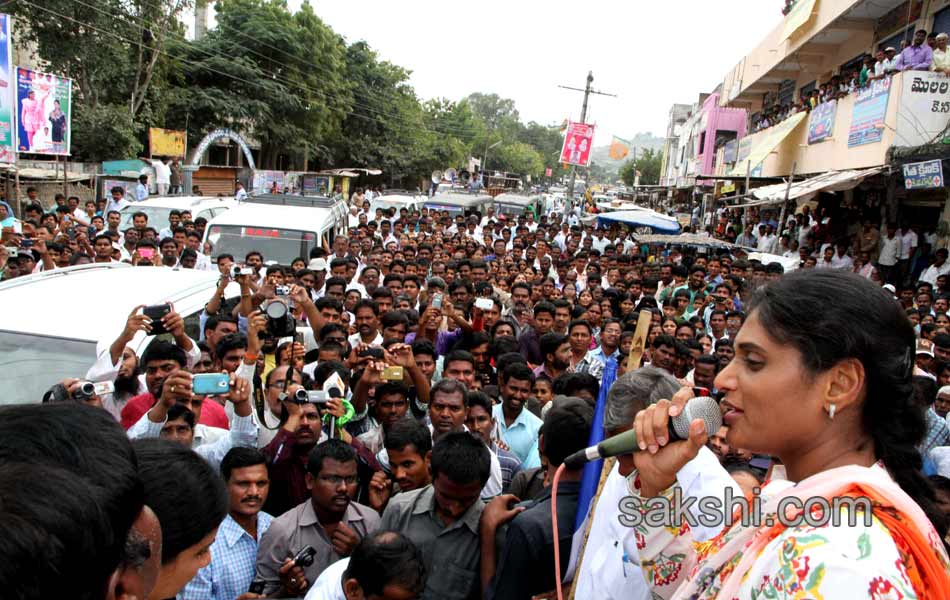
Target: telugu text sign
{"type": "Point", "coordinates": [44, 102]}
{"type": "Point", "coordinates": [867, 118]}
{"type": "Point", "coordinates": [923, 175]}
{"type": "Point", "coordinates": [578, 141]}
{"type": "Point", "coordinates": [924, 110]}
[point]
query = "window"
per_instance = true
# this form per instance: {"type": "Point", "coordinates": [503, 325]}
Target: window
{"type": "Point", "coordinates": [808, 89]}
{"type": "Point", "coordinates": [895, 40]}
{"type": "Point", "coordinates": [942, 21]}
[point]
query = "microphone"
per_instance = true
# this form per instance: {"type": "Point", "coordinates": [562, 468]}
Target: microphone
{"type": "Point", "coordinates": [702, 407]}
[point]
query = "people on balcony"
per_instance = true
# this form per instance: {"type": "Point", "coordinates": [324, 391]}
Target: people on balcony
{"type": "Point", "coordinates": [918, 56]}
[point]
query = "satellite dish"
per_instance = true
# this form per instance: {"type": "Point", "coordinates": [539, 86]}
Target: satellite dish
{"type": "Point", "coordinates": [451, 174]}
{"type": "Point", "coordinates": [465, 177]}
{"type": "Point", "coordinates": [436, 176]}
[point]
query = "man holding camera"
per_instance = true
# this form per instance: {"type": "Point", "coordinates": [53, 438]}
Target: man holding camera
{"type": "Point", "coordinates": [178, 409]}
{"type": "Point", "coordinates": [319, 531]}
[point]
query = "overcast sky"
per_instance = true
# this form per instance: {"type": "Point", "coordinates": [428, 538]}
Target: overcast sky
{"type": "Point", "coordinates": [651, 53]}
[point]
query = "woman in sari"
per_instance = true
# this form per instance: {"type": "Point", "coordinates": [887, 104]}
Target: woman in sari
{"type": "Point", "coordinates": [831, 396]}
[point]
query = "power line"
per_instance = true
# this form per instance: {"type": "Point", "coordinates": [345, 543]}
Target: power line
{"type": "Point", "coordinates": [235, 77]}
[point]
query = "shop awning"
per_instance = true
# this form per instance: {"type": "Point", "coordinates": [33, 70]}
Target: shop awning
{"type": "Point", "coordinates": [766, 143]}
{"type": "Point", "coordinates": [799, 15]}
{"type": "Point", "coordinates": [832, 181]}
{"type": "Point", "coordinates": [655, 221]}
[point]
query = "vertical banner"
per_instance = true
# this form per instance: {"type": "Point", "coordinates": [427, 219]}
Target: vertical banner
{"type": "Point", "coordinates": [43, 107]}
{"type": "Point", "coordinates": [7, 110]}
{"type": "Point", "coordinates": [867, 118]}
{"type": "Point", "coordinates": [578, 141]}
{"type": "Point", "coordinates": [821, 121]}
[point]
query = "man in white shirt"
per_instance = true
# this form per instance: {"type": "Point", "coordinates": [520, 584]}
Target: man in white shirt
{"type": "Point", "coordinates": [240, 194]}
{"type": "Point", "coordinates": [163, 175]}
{"type": "Point", "coordinates": [939, 267]}
{"type": "Point", "coordinates": [908, 249]}
{"type": "Point", "coordinates": [117, 201]}
{"type": "Point", "coordinates": [887, 261]}
{"type": "Point", "coordinates": [384, 564]}
{"type": "Point", "coordinates": [141, 190]}
{"type": "Point", "coordinates": [841, 260]}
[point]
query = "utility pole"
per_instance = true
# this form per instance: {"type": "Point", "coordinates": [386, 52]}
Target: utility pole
{"type": "Point", "coordinates": [587, 92]}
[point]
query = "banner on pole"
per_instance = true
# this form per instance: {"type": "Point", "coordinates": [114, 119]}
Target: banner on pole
{"type": "Point", "coordinates": [43, 105]}
{"type": "Point", "coordinates": [578, 141]}
{"type": "Point", "coordinates": [547, 172]}
{"type": "Point", "coordinates": [7, 104]}
{"type": "Point", "coordinates": [166, 142]}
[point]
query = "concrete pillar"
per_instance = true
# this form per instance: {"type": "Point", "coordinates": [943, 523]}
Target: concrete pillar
{"type": "Point", "coordinates": [187, 176]}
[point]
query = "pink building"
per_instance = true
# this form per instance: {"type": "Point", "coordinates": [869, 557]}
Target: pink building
{"type": "Point", "coordinates": [718, 126]}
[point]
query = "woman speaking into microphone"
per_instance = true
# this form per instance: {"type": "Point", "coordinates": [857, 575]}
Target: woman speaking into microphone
{"type": "Point", "coordinates": [821, 379]}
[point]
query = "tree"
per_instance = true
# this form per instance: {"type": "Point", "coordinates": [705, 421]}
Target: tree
{"type": "Point", "coordinates": [648, 163]}
{"type": "Point", "coordinates": [520, 158]}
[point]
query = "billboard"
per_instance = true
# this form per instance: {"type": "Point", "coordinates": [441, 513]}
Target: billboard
{"type": "Point", "coordinates": [578, 141]}
{"type": "Point", "coordinates": [867, 118]}
{"type": "Point", "coordinates": [43, 107]}
{"type": "Point", "coordinates": [166, 142]}
{"type": "Point", "coordinates": [7, 111]}
{"type": "Point", "coordinates": [925, 108]}
{"type": "Point", "coordinates": [821, 121]}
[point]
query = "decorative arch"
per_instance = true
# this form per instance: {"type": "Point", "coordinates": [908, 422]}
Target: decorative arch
{"type": "Point", "coordinates": [217, 134]}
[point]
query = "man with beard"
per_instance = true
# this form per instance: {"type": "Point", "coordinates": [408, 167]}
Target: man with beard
{"type": "Point", "coordinates": [517, 426]}
{"type": "Point", "coordinates": [556, 349]}
{"type": "Point", "coordinates": [327, 521]}
{"type": "Point", "coordinates": [234, 551]}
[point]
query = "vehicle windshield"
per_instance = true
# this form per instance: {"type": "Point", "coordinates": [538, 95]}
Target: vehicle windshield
{"type": "Point", "coordinates": [31, 364]}
{"type": "Point", "coordinates": [449, 208]}
{"type": "Point", "coordinates": [511, 209]}
{"type": "Point", "coordinates": [278, 245]}
{"type": "Point", "coordinates": [157, 216]}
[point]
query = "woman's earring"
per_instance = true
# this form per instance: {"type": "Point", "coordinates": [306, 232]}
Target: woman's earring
{"type": "Point", "coordinates": [831, 411]}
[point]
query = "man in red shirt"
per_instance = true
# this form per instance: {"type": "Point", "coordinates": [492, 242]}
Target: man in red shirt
{"type": "Point", "coordinates": [160, 360]}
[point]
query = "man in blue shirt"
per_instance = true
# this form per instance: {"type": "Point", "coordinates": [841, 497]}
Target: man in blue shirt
{"type": "Point", "coordinates": [234, 551]}
{"type": "Point", "coordinates": [518, 427]}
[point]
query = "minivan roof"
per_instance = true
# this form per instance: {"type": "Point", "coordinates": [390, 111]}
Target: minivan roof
{"type": "Point", "coordinates": [296, 218]}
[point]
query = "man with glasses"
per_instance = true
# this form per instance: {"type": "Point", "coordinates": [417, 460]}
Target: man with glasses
{"type": "Point", "coordinates": [327, 521]}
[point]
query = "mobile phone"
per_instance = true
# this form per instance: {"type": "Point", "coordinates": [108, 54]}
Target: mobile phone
{"type": "Point", "coordinates": [210, 384]}
{"type": "Point", "coordinates": [376, 353]}
{"type": "Point", "coordinates": [392, 374]}
{"type": "Point", "coordinates": [155, 313]}
{"type": "Point", "coordinates": [257, 587]}
{"type": "Point", "coordinates": [484, 303]}
{"type": "Point", "coordinates": [437, 301]}
{"type": "Point", "coordinates": [27, 243]}
{"type": "Point", "coordinates": [146, 252]}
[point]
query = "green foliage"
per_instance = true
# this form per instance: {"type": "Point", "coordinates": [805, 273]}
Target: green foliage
{"type": "Point", "coordinates": [648, 163]}
{"type": "Point", "coordinates": [104, 126]}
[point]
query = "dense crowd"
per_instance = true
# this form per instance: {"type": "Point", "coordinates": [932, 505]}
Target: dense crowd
{"type": "Point", "coordinates": [396, 407]}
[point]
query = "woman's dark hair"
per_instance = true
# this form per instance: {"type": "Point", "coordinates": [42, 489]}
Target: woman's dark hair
{"type": "Point", "coordinates": [814, 311]}
{"type": "Point", "coordinates": [188, 497]}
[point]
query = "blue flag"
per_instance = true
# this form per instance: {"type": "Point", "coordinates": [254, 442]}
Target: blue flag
{"type": "Point", "coordinates": [592, 469]}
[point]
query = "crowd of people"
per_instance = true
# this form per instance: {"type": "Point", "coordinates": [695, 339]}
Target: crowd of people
{"type": "Point", "coordinates": [926, 52]}
{"type": "Point", "coordinates": [396, 428]}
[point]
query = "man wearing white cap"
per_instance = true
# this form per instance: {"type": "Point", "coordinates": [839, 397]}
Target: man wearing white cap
{"type": "Point", "coordinates": [319, 268]}
{"type": "Point", "coordinates": [941, 60]}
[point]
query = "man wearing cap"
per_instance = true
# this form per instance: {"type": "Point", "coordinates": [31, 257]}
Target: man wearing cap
{"type": "Point", "coordinates": [924, 358]}
{"type": "Point", "coordinates": [319, 268]}
{"type": "Point", "coordinates": [918, 56]}
{"type": "Point", "coordinates": [941, 58]}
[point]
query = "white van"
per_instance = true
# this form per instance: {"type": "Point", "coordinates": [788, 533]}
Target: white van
{"type": "Point", "coordinates": [42, 343]}
{"type": "Point", "coordinates": [158, 208]}
{"type": "Point", "coordinates": [281, 227]}
{"type": "Point", "coordinates": [397, 199]}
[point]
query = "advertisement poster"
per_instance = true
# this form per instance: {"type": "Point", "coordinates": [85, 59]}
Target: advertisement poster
{"type": "Point", "coordinates": [7, 126]}
{"type": "Point", "coordinates": [867, 119]}
{"type": "Point", "coordinates": [923, 175]}
{"type": "Point", "coordinates": [43, 106]}
{"type": "Point", "coordinates": [925, 108]}
{"type": "Point", "coordinates": [821, 122]}
{"type": "Point", "coordinates": [166, 142]}
{"type": "Point", "coordinates": [578, 142]}
{"type": "Point", "coordinates": [264, 181]}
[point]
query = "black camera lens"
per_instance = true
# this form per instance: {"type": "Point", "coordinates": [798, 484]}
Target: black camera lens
{"type": "Point", "coordinates": [85, 391]}
{"type": "Point", "coordinates": [300, 396]}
